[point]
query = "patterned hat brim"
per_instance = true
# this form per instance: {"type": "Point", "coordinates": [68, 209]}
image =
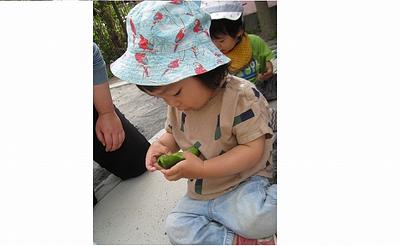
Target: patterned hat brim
{"type": "Point", "coordinates": [148, 69]}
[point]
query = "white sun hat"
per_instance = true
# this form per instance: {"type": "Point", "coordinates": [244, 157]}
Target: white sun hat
{"type": "Point", "coordinates": [231, 10]}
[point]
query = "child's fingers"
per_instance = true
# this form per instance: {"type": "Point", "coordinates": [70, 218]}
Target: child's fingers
{"type": "Point", "coordinates": [156, 149]}
{"type": "Point", "coordinates": [264, 76]}
{"type": "Point", "coordinates": [152, 168]}
{"type": "Point", "coordinates": [166, 172]}
{"type": "Point", "coordinates": [170, 174]}
{"type": "Point", "coordinates": [188, 155]}
{"type": "Point", "coordinates": [162, 149]}
{"type": "Point", "coordinates": [150, 160]}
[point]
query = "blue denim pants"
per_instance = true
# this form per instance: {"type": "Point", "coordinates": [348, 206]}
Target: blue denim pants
{"type": "Point", "coordinates": [249, 210]}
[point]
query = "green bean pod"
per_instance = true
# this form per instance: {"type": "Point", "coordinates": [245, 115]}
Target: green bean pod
{"type": "Point", "coordinates": [168, 161]}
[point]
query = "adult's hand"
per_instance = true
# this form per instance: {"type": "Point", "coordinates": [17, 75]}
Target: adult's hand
{"type": "Point", "coordinates": [109, 131]}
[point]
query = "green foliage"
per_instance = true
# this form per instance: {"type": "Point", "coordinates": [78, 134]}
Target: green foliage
{"type": "Point", "coordinates": [109, 30]}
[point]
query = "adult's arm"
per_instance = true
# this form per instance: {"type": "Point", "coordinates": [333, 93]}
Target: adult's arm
{"type": "Point", "coordinates": [108, 127]}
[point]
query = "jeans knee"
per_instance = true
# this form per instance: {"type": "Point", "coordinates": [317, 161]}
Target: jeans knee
{"type": "Point", "coordinates": [176, 230]}
{"type": "Point", "coordinates": [171, 228]}
{"type": "Point", "coordinates": [259, 226]}
{"type": "Point", "coordinates": [184, 228]}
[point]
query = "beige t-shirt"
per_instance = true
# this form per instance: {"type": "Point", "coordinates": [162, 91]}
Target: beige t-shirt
{"type": "Point", "coordinates": [238, 114]}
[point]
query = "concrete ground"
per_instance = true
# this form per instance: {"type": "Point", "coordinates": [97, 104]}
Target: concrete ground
{"type": "Point", "coordinates": [135, 211]}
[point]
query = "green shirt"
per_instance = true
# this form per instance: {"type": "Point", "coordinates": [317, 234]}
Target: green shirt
{"type": "Point", "coordinates": [261, 54]}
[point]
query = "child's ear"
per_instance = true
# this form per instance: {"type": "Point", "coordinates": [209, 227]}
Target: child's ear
{"type": "Point", "coordinates": [240, 33]}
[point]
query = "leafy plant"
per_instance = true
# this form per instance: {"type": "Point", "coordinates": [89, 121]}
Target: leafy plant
{"type": "Point", "coordinates": [109, 31]}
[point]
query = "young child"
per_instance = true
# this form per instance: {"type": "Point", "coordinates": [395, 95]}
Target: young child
{"type": "Point", "coordinates": [250, 55]}
{"type": "Point", "coordinates": [229, 198]}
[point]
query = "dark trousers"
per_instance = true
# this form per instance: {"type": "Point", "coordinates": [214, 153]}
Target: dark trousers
{"type": "Point", "coordinates": [129, 160]}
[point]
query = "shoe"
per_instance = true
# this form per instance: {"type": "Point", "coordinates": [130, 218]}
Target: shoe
{"type": "Point", "coordinates": [239, 240]}
{"type": "Point", "coordinates": [267, 241]}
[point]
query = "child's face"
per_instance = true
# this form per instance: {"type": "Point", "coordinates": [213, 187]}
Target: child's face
{"type": "Point", "coordinates": [226, 43]}
{"type": "Point", "coordinates": [185, 95]}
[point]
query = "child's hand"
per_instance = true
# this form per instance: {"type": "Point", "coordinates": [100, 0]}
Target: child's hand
{"type": "Point", "coordinates": [191, 167]}
{"type": "Point", "coordinates": [264, 76]}
{"type": "Point", "coordinates": [268, 73]}
{"type": "Point", "coordinates": [154, 151]}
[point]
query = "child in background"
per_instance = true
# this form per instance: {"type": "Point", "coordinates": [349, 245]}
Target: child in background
{"type": "Point", "coordinates": [250, 55]}
{"type": "Point", "coordinates": [229, 198]}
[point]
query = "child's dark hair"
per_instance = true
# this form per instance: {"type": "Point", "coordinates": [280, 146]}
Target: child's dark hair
{"type": "Point", "coordinates": [212, 79]}
{"type": "Point", "coordinates": [226, 27]}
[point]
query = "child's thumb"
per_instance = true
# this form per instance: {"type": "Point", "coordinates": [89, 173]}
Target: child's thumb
{"type": "Point", "coordinates": [188, 155]}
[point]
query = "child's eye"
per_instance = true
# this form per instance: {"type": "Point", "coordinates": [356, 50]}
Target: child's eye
{"type": "Point", "coordinates": [179, 92]}
{"type": "Point", "coordinates": [218, 40]}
